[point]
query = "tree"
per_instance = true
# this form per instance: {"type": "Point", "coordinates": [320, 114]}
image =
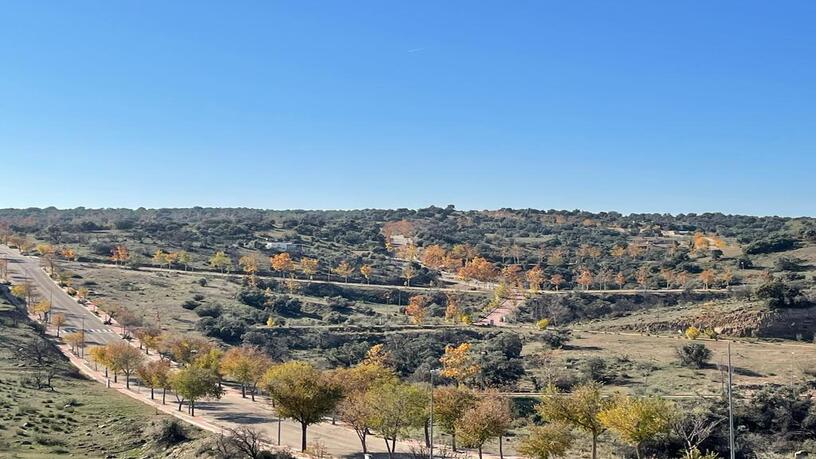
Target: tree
{"type": "Point", "coordinates": [642, 276]}
{"type": "Point", "coordinates": [620, 280]}
{"type": "Point", "coordinates": [57, 320]}
{"type": "Point", "coordinates": [125, 358]}
{"type": "Point", "coordinates": [636, 420]}
{"type": "Point", "coordinates": [408, 273]}
{"type": "Point", "coordinates": [248, 264]}
{"type": "Point", "coordinates": [547, 441]}
{"type": "Point", "coordinates": [450, 403]}
{"type": "Point", "coordinates": [281, 263]}
{"type": "Point", "coordinates": [75, 340]}
{"type": "Point", "coordinates": [155, 374]}
{"type": "Point", "coordinates": [693, 355]}
{"type": "Point", "coordinates": [355, 408]}
{"type": "Point", "coordinates": [452, 308]}
{"type": "Point", "coordinates": [120, 254]}
{"type": "Point", "coordinates": [343, 270]}
{"type": "Point", "coordinates": [184, 258]}
{"type": "Point", "coordinates": [41, 308]}
{"type": "Point", "coordinates": [433, 256]}
{"type": "Point", "coordinates": [301, 392]}
{"type": "Point", "coordinates": [584, 278]}
{"type": "Point", "coordinates": [489, 418]}
{"type": "Point", "coordinates": [308, 266]}
{"type": "Point", "coordinates": [707, 277]}
{"type": "Point", "coordinates": [99, 356]}
{"type": "Point", "coordinates": [457, 363]}
{"type": "Point", "coordinates": [158, 257]}
{"type": "Point", "coordinates": [556, 280]}
{"type": "Point", "coordinates": [415, 309]}
{"type": "Point", "coordinates": [535, 279]}
{"type": "Point", "coordinates": [692, 333]}
{"type": "Point", "coordinates": [192, 383]}
{"type": "Point", "coordinates": [579, 409]}
{"type": "Point", "coordinates": [366, 271]}
{"type": "Point", "coordinates": [184, 349]}
{"type": "Point", "coordinates": [400, 408]}
{"type": "Point", "coordinates": [478, 269]}
{"type": "Point", "coordinates": [220, 261]}
{"type": "Point", "coordinates": [246, 365]}
{"type": "Point", "coordinates": [243, 442]}
{"type": "Point", "coordinates": [727, 276]}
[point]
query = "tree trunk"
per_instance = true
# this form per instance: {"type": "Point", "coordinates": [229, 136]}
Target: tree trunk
{"type": "Point", "coordinates": [637, 451]}
{"type": "Point", "coordinates": [427, 435]}
{"type": "Point", "coordinates": [303, 426]}
{"type": "Point", "coordinates": [151, 393]}
{"type": "Point", "coordinates": [192, 407]}
{"type": "Point", "coordinates": [252, 393]}
{"type": "Point", "coordinates": [594, 446]}
{"type": "Point", "coordinates": [480, 451]}
{"type": "Point", "coordinates": [243, 390]}
{"type": "Point", "coordinates": [501, 448]}
{"type": "Point", "coordinates": [127, 380]}
{"type": "Point", "coordinates": [388, 448]}
{"type": "Point", "coordinates": [164, 395]}
{"type": "Point", "coordinates": [453, 441]}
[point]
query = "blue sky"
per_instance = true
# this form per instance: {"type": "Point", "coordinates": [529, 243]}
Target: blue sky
{"type": "Point", "coordinates": [633, 105]}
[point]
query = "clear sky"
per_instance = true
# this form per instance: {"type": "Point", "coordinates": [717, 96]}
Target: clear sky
{"type": "Point", "coordinates": [684, 106]}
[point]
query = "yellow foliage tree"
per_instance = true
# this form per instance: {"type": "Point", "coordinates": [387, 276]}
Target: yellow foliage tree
{"type": "Point", "coordinates": [458, 363]}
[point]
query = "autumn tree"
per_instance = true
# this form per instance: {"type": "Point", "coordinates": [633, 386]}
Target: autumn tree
{"type": "Point", "coordinates": [183, 257]}
{"type": "Point", "coordinates": [46, 252]}
{"type": "Point", "coordinates": [579, 409]}
{"type": "Point", "coordinates": [727, 276]}
{"type": "Point", "coordinates": [99, 356]}
{"type": "Point", "coordinates": [489, 418]}
{"type": "Point", "coordinates": [301, 392]}
{"type": "Point", "coordinates": [193, 383]}
{"type": "Point", "coordinates": [355, 408]}
{"type": "Point", "coordinates": [535, 279]}
{"type": "Point", "coordinates": [366, 271]}
{"type": "Point", "coordinates": [458, 363]}
{"type": "Point", "coordinates": [548, 441]}
{"type": "Point", "coordinates": [401, 408]}
{"type": "Point", "coordinates": [478, 269]}
{"type": "Point", "coordinates": [120, 254]}
{"type": "Point", "coordinates": [415, 309]}
{"type": "Point", "coordinates": [68, 253]}
{"type": "Point", "coordinates": [343, 270]}
{"type": "Point", "coordinates": [158, 257]}
{"type": "Point", "coordinates": [452, 308]}
{"type": "Point", "coordinates": [408, 273]}
{"type": "Point", "coordinates": [433, 256]}
{"type": "Point", "coordinates": [707, 277]}
{"type": "Point", "coordinates": [281, 263]}
{"type": "Point", "coordinates": [635, 420]}
{"type": "Point", "coordinates": [584, 278]}
{"type": "Point", "coordinates": [210, 360]}
{"type": "Point", "coordinates": [556, 280]}
{"type": "Point", "coordinates": [308, 266]}
{"type": "Point", "coordinates": [511, 275]}
{"type": "Point", "coordinates": [155, 374]}
{"type": "Point", "coordinates": [149, 338]}
{"type": "Point", "coordinates": [450, 403]}
{"type": "Point", "coordinates": [642, 276]}
{"type": "Point", "coordinates": [247, 366]}
{"type": "Point", "coordinates": [220, 261]}
{"type": "Point", "coordinates": [41, 308]}
{"type": "Point", "coordinates": [556, 257]}
{"type": "Point", "coordinates": [604, 277]}
{"type": "Point", "coordinates": [76, 341]}
{"type": "Point", "coordinates": [124, 358]}
{"type": "Point", "coordinates": [184, 349]}
{"type": "Point", "coordinates": [57, 320]}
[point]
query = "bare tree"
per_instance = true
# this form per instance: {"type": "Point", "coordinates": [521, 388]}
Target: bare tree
{"type": "Point", "coordinates": [694, 428]}
{"type": "Point", "coordinates": [243, 442]}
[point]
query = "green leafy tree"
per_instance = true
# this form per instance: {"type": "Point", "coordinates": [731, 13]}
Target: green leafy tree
{"type": "Point", "coordinates": [547, 441]}
{"type": "Point", "coordinates": [579, 409]}
{"type": "Point", "coordinates": [194, 383]}
{"type": "Point", "coordinates": [450, 403]}
{"type": "Point", "coordinates": [400, 408]}
{"type": "Point", "coordinates": [636, 420]}
{"type": "Point", "coordinates": [302, 392]}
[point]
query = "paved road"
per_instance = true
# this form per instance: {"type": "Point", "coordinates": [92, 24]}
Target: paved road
{"type": "Point", "coordinates": [22, 268]}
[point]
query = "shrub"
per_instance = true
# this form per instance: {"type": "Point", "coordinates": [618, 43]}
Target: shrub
{"type": "Point", "coordinates": [555, 338]}
{"type": "Point", "coordinates": [692, 333]}
{"type": "Point", "coordinates": [170, 432]}
{"type": "Point", "coordinates": [781, 295]}
{"type": "Point", "coordinates": [694, 355]}
{"type": "Point", "coordinates": [543, 324]}
{"type": "Point", "coordinates": [190, 304]}
{"type": "Point", "coordinates": [209, 310]}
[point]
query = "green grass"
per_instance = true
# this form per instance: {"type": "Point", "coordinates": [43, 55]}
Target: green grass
{"type": "Point", "coordinates": [79, 417]}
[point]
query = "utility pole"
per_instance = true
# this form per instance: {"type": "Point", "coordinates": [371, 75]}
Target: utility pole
{"type": "Point", "coordinates": [730, 406]}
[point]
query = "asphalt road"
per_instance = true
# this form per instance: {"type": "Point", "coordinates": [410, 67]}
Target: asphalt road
{"type": "Point", "coordinates": [22, 268]}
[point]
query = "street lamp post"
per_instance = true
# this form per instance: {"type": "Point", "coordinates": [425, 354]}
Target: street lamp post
{"type": "Point", "coordinates": [431, 447]}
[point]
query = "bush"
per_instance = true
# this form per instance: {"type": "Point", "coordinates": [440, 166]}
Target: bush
{"type": "Point", "coordinates": [770, 245]}
{"type": "Point", "coordinates": [209, 310]}
{"type": "Point", "coordinates": [190, 304]}
{"type": "Point", "coordinates": [781, 295]}
{"type": "Point", "coordinates": [694, 355]}
{"type": "Point", "coordinates": [170, 432]}
{"type": "Point", "coordinates": [556, 339]}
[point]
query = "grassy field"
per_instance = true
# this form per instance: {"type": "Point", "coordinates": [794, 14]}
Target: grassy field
{"type": "Point", "coordinates": [78, 418]}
